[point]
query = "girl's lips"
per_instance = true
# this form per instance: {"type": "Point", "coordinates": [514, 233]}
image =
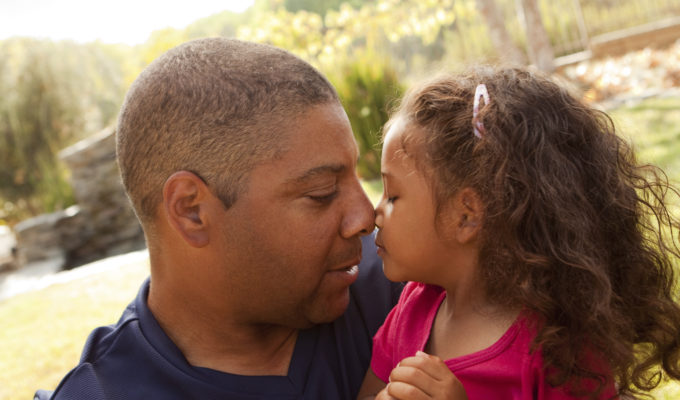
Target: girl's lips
{"type": "Point", "coordinates": [380, 249]}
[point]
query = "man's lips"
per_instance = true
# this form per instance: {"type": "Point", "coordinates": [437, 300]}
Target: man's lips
{"type": "Point", "coordinates": [348, 265]}
{"type": "Point", "coordinates": [345, 275]}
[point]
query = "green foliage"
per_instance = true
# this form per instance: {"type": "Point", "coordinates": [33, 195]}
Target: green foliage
{"type": "Point", "coordinates": [366, 86]}
{"type": "Point", "coordinates": [223, 24]}
{"type": "Point", "coordinates": [338, 35]}
{"type": "Point", "coordinates": [321, 6]}
{"type": "Point", "coordinates": [54, 94]}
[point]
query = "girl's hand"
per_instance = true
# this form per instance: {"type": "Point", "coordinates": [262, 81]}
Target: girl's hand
{"type": "Point", "coordinates": [424, 377]}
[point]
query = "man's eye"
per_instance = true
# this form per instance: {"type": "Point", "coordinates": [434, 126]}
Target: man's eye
{"type": "Point", "coordinates": [324, 199]}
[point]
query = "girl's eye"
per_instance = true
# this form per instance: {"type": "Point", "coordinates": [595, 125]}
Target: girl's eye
{"type": "Point", "coordinates": [391, 199]}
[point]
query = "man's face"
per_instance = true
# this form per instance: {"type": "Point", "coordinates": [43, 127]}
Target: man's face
{"type": "Point", "coordinates": [291, 240]}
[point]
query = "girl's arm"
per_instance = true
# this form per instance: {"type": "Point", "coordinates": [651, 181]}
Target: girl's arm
{"type": "Point", "coordinates": [420, 377]}
{"type": "Point", "coordinates": [371, 387]}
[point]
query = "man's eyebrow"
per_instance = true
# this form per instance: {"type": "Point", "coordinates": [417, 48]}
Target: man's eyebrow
{"type": "Point", "coordinates": [332, 169]}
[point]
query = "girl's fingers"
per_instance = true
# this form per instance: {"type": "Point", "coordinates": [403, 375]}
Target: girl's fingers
{"type": "Point", "coordinates": [412, 376]}
{"type": "Point", "coordinates": [405, 391]}
{"type": "Point", "coordinates": [431, 365]}
{"type": "Point", "coordinates": [383, 395]}
{"type": "Point", "coordinates": [424, 376]}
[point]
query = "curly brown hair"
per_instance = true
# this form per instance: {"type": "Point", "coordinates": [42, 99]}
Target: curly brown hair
{"type": "Point", "coordinates": [576, 231]}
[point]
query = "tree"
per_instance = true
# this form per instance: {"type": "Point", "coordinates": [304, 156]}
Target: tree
{"type": "Point", "coordinates": [540, 51]}
{"type": "Point", "coordinates": [506, 48]}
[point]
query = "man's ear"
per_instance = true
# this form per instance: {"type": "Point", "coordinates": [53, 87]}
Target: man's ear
{"type": "Point", "coordinates": [186, 198]}
{"type": "Point", "coordinates": [469, 211]}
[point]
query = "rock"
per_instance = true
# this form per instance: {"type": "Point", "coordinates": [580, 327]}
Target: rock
{"type": "Point", "coordinates": [107, 216]}
{"type": "Point", "coordinates": [38, 239]}
{"type": "Point", "coordinates": [100, 225]}
{"type": "Point", "coordinates": [8, 249]}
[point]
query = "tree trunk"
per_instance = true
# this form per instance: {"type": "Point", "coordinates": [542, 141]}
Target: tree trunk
{"type": "Point", "coordinates": [506, 48]}
{"type": "Point", "coordinates": [540, 51]}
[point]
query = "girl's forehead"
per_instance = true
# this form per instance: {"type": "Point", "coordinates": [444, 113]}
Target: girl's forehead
{"type": "Point", "coordinates": [402, 138]}
{"type": "Point", "coordinates": [395, 127]}
{"type": "Point", "coordinates": [401, 149]}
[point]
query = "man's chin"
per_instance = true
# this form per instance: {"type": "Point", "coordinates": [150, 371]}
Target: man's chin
{"type": "Point", "coordinates": [330, 311]}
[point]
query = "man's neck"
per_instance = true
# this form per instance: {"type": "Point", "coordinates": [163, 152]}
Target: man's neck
{"type": "Point", "coordinates": [224, 345]}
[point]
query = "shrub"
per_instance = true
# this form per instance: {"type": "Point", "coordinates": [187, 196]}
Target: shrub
{"type": "Point", "coordinates": [367, 86]}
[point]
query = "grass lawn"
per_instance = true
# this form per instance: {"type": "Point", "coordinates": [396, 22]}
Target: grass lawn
{"type": "Point", "coordinates": [653, 126]}
{"type": "Point", "coordinates": [44, 331]}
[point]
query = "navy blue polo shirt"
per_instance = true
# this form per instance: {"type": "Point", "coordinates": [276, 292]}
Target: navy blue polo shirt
{"type": "Point", "coordinates": [135, 359]}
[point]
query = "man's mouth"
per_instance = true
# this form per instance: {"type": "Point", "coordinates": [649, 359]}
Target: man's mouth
{"type": "Point", "coordinates": [349, 266]}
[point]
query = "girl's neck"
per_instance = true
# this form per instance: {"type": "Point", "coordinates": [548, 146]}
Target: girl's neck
{"type": "Point", "coordinates": [465, 292]}
{"type": "Point", "coordinates": [463, 327]}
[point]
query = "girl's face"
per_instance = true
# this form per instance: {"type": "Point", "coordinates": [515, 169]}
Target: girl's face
{"type": "Point", "coordinates": [407, 239]}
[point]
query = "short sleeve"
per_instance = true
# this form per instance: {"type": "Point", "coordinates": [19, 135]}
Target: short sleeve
{"type": "Point", "coordinates": [386, 353]}
{"type": "Point", "coordinates": [382, 360]}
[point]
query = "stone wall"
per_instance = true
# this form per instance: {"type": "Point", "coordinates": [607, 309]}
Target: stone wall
{"type": "Point", "coordinates": [102, 223]}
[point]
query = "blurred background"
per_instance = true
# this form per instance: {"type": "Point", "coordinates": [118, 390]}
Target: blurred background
{"type": "Point", "coordinates": [65, 67]}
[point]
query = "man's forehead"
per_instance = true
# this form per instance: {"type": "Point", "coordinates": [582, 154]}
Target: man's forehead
{"type": "Point", "coordinates": [319, 171]}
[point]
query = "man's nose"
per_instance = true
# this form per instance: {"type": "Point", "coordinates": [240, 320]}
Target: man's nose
{"type": "Point", "coordinates": [359, 216]}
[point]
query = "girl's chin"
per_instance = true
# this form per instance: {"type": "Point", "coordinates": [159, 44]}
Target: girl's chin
{"type": "Point", "coordinates": [392, 273]}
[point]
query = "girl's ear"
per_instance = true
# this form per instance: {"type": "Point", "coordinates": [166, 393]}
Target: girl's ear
{"type": "Point", "coordinates": [186, 198]}
{"type": "Point", "coordinates": [469, 211]}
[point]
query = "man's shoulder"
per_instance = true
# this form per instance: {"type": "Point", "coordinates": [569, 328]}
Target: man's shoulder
{"type": "Point", "coordinates": [80, 384]}
{"type": "Point", "coordinates": [83, 381]}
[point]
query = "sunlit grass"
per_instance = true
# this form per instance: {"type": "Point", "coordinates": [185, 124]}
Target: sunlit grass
{"type": "Point", "coordinates": [653, 126]}
{"type": "Point", "coordinates": [43, 332]}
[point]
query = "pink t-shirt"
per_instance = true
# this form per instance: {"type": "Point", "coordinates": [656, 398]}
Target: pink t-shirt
{"type": "Point", "coordinates": [505, 370]}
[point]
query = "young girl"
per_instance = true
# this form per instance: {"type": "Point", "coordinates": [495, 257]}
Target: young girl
{"type": "Point", "coordinates": [540, 253]}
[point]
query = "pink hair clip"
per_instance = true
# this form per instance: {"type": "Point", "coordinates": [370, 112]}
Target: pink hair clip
{"type": "Point", "coordinates": [477, 125]}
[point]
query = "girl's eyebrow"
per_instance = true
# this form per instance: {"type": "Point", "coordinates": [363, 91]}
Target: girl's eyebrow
{"type": "Point", "coordinates": [387, 175]}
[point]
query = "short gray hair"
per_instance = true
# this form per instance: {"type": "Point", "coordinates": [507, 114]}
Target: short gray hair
{"type": "Point", "coordinates": [215, 107]}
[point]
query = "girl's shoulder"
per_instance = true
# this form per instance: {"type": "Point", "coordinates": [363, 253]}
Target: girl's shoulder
{"type": "Point", "coordinates": [412, 287]}
{"type": "Point", "coordinates": [420, 293]}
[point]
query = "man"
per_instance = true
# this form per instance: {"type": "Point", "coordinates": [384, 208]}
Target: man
{"type": "Point", "coordinates": [240, 163]}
